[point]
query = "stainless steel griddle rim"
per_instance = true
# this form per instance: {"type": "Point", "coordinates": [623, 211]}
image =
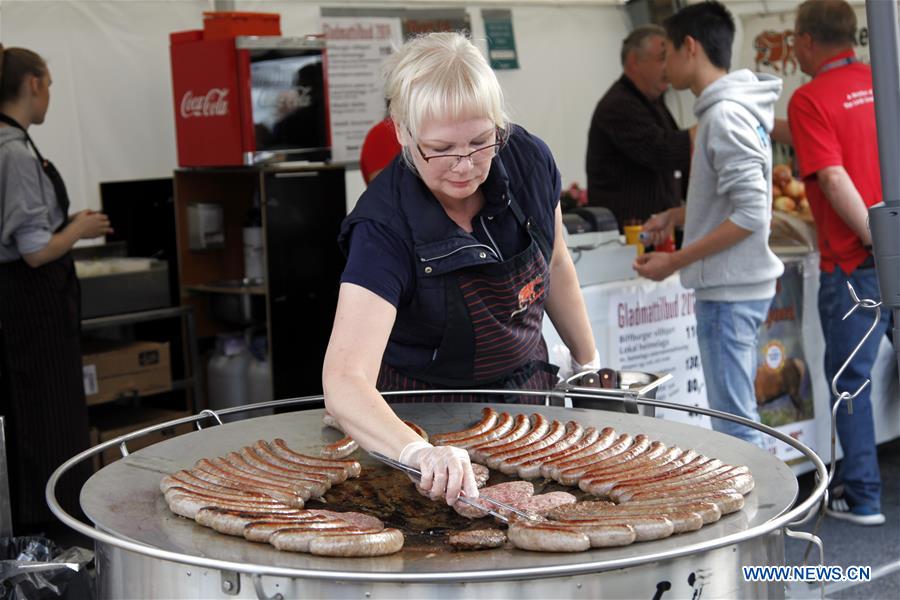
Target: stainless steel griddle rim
{"type": "Point", "coordinates": [779, 522]}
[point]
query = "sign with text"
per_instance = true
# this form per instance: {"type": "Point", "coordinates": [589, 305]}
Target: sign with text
{"type": "Point", "coordinates": [357, 47]}
{"type": "Point", "coordinates": [653, 329]}
{"type": "Point", "coordinates": [783, 385]}
{"type": "Point", "coordinates": [501, 40]}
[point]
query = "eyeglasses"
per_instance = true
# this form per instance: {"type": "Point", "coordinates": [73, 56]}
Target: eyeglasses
{"type": "Point", "coordinates": [448, 162]}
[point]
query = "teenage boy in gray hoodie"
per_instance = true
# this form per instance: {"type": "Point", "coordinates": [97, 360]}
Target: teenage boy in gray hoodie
{"type": "Point", "coordinates": [725, 256]}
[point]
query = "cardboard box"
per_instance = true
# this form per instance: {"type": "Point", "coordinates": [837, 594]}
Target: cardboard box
{"type": "Point", "coordinates": [133, 368]}
{"type": "Point", "coordinates": [112, 426]}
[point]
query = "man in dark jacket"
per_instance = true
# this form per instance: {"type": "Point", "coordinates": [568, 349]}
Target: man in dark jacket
{"type": "Point", "coordinates": [636, 154]}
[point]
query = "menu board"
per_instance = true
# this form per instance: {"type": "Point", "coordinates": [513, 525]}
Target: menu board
{"type": "Point", "coordinates": [653, 329]}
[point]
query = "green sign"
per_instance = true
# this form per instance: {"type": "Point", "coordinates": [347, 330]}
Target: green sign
{"type": "Point", "coordinates": [501, 39]}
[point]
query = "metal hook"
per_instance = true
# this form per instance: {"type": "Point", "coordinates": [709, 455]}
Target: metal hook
{"type": "Point", "coordinates": [209, 413]}
{"type": "Point", "coordinates": [857, 303]}
{"type": "Point", "coordinates": [260, 592]}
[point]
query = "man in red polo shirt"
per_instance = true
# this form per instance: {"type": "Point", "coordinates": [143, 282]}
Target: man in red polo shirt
{"type": "Point", "coordinates": [832, 121]}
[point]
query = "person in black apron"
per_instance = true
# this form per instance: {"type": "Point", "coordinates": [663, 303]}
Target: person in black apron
{"type": "Point", "coordinates": [42, 387]}
{"type": "Point", "coordinates": [453, 253]}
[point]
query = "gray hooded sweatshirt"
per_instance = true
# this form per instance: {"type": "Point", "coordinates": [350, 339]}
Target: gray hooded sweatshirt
{"type": "Point", "coordinates": [731, 178]}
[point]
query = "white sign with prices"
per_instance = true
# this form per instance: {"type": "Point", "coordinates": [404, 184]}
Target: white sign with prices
{"type": "Point", "coordinates": [652, 328]}
{"type": "Point", "coordinates": [357, 47]}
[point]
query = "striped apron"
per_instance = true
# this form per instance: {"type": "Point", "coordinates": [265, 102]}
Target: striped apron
{"type": "Point", "coordinates": [42, 385]}
{"type": "Point", "coordinates": [499, 309]}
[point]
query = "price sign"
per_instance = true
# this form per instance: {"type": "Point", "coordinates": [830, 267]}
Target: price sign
{"type": "Point", "coordinates": [653, 329]}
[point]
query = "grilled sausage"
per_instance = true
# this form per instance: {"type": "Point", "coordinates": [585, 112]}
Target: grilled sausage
{"type": "Point", "coordinates": [342, 448]}
{"type": "Point", "coordinates": [646, 528]}
{"type": "Point", "coordinates": [571, 471]}
{"type": "Point", "coordinates": [546, 537]}
{"type": "Point", "coordinates": [210, 472]}
{"type": "Point", "coordinates": [529, 465]}
{"type": "Point", "coordinates": [280, 447]}
{"type": "Point", "coordinates": [234, 522]}
{"type": "Point", "coordinates": [297, 539]}
{"type": "Point", "coordinates": [600, 482]}
{"type": "Point", "coordinates": [504, 425]}
{"type": "Point", "coordinates": [304, 490]}
{"type": "Point", "coordinates": [727, 501]}
{"type": "Point", "coordinates": [607, 535]}
{"type": "Point", "coordinates": [623, 489]}
{"type": "Point", "coordinates": [262, 450]}
{"type": "Point", "coordinates": [672, 459]}
{"type": "Point", "coordinates": [489, 418]}
{"type": "Point", "coordinates": [388, 541]}
{"type": "Point", "coordinates": [539, 428]}
{"type": "Point", "coordinates": [251, 457]}
{"type": "Point", "coordinates": [316, 483]}
{"type": "Point", "coordinates": [521, 426]}
{"type": "Point", "coordinates": [508, 462]}
{"type": "Point", "coordinates": [550, 468]}
{"type": "Point", "coordinates": [188, 505]}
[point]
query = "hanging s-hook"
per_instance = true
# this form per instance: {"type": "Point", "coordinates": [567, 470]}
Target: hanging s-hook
{"type": "Point", "coordinates": [857, 303]}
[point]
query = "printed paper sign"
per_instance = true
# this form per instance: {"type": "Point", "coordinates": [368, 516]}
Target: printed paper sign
{"type": "Point", "coordinates": [653, 329]}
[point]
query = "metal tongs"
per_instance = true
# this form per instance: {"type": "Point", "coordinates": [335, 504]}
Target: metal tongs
{"type": "Point", "coordinates": [417, 474]}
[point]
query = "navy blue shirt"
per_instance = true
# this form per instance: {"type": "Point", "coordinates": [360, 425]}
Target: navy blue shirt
{"type": "Point", "coordinates": [378, 241]}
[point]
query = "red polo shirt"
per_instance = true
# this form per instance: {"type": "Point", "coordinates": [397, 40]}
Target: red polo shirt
{"type": "Point", "coordinates": [832, 120]}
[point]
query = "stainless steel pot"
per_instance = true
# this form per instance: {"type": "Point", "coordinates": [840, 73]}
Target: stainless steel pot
{"type": "Point", "coordinates": [145, 551]}
{"type": "Point", "coordinates": [615, 390]}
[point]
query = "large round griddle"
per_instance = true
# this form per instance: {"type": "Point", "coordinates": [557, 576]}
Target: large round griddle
{"type": "Point", "coordinates": [123, 498]}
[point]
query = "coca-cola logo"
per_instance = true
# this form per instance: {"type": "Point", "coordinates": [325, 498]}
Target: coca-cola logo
{"type": "Point", "coordinates": [212, 104]}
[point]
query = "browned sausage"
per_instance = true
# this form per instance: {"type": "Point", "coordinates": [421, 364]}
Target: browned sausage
{"type": "Point", "coordinates": [263, 451]}
{"type": "Point", "coordinates": [210, 472]}
{"type": "Point", "coordinates": [509, 461]}
{"type": "Point", "coordinates": [528, 466]}
{"type": "Point", "coordinates": [521, 426]}
{"type": "Point", "coordinates": [342, 448]}
{"type": "Point", "coordinates": [539, 427]}
{"type": "Point", "coordinates": [280, 447]}
{"type": "Point", "coordinates": [381, 543]}
{"type": "Point", "coordinates": [297, 539]}
{"type": "Point", "coordinates": [545, 537]}
{"type": "Point", "coordinates": [488, 420]}
{"type": "Point", "coordinates": [645, 527]}
{"type": "Point", "coordinates": [571, 471]}
{"type": "Point", "coordinates": [726, 502]}
{"type": "Point", "coordinates": [503, 426]}
{"type": "Point", "coordinates": [550, 467]}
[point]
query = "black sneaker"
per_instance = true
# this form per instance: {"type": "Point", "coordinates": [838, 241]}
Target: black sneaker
{"type": "Point", "coordinates": [840, 507]}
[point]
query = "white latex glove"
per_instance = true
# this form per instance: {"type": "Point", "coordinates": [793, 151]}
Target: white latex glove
{"type": "Point", "coordinates": [446, 470]}
{"type": "Point", "coordinates": [591, 365]}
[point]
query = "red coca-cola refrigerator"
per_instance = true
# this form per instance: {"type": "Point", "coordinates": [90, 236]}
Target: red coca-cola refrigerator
{"type": "Point", "coordinates": [249, 100]}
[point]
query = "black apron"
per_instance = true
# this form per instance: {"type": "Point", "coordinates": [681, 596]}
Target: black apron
{"type": "Point", "coordinates": [502, 305]}
{"type": "Point", "coordinates": [43, 390]}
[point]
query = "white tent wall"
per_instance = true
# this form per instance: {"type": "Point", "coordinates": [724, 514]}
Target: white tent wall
{"type": "Point", "coordinates": [111, 109]}
{"type": "Point", "coordinates": [110, 112]}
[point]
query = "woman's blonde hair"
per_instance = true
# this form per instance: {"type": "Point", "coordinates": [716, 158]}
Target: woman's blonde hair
{"type": "Point", "coordinates": [444, 76]}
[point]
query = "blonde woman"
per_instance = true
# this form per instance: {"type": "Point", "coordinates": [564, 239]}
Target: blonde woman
{"type": "Point", "coordinates": [453, 254]}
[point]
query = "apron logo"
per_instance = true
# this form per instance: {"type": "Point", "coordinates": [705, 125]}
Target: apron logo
{"type": "Point", "coordinates": [529, 294]}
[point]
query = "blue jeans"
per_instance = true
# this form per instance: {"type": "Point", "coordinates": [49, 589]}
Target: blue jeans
{"type": "Point", "coordinates": [859, 469]}
{"type": "Point", "coordinates": [728, 336]}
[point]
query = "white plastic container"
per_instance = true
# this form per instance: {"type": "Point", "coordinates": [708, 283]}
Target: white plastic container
{"type": "Point", "coordinates": [259, 385]}
{"type": "Point", "coordinates": [226, 375]}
